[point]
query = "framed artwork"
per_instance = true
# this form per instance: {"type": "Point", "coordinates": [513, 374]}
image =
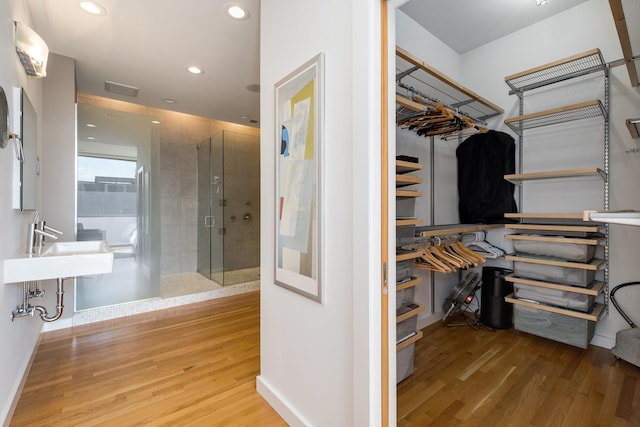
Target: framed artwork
{"type": "Point", "coordinates": [299, 108]}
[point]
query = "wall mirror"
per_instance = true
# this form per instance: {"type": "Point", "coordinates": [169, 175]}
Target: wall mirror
{"type": "Point", "coordinates": [26, 172]}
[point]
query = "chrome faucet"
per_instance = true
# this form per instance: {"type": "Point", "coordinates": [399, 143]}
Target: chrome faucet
{"type": "Point", "coordinates": [37, 231]}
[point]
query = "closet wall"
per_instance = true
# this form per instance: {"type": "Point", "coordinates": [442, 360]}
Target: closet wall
{"type": "Point", "coordinates": [483, 71]}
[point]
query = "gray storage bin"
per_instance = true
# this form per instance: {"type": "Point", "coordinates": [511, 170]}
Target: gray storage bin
{"type": "Point", "coordinates": [404, 270]}
{"type": "Point", "coordinates": [567, 251]}
{"type": "Point", "coordinates": [551, 273]}
{"type": "Point", "coordinates": [406, 328]}
{"type": "Point", "coordinates": [556, 297]}
{"type": "Point", "coordinates": [405, 297]}
{"type": "Point", "coordinates": [404, 362]}
{"type": "Point", "coordinates": [558, 327]}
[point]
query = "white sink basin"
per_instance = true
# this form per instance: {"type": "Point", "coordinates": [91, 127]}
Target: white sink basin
{"type": "Point", "coordinates": [60, 260]}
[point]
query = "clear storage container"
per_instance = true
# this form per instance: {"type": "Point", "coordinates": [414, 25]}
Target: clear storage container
{"type": "Point", "coordinates": [558, 327]}
{"type": "Point", "coordinates": [556, 297]}
{"type": "Point", "coordinates": [551, 273]}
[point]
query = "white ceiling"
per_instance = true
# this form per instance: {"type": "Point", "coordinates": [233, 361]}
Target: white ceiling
{"type": "Point", "coordinates": [149, 43]}
{"type": "Point", "coordinates": [464, 25]}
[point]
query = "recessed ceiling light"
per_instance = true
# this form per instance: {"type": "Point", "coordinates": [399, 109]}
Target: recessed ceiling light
{"type": "Point", "coordinates": [155, 122]}
{"type": "Point", "coordinates": [91, 138]}
{"type": "Point", "coordinates": [90, 125]}
{"type": "Point", "coordinates": [541, 2]}
{"type": "Point", "coordinates": [236, 11]}
{"type": "Point", "coordinates": [170, 100]}
{"type": "Point", "coordinates": [195, 69]}
{"type": "Point", "coordinates": [93, 8]}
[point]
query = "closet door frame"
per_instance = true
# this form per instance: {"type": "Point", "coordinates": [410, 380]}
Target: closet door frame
{"type": "Point", "coordinates": [388, 154]}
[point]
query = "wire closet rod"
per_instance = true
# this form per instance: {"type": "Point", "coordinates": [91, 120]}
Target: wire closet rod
{"type": "Point", "coordinates": [432, 99]}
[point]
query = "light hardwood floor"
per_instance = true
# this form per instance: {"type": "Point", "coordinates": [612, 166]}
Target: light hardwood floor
{"type": "Point", "coordinates": [467, 377]}
{"type": "Point", "coordinates": [193, 365]}
{"type": "Point", "coordinates": [196, 365]}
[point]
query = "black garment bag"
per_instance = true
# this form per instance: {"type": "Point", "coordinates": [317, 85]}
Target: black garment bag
{"type": "Point", "coordinates": [483, 160]}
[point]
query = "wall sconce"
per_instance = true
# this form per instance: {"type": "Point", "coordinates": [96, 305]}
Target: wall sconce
{"type": "Point", "coordinates": [634, 127]}
{"type": "Point", "coordinates": [32, 50]}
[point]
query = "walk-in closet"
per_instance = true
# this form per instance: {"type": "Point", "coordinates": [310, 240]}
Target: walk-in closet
{"type": "Point", "coordinates": [505, 153]}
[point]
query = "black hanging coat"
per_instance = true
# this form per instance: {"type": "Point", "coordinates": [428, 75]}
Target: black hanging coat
{"type": "Point", "coordinates": [483, 160]}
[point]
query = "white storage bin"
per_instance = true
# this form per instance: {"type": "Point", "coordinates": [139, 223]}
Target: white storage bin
{"type": "Point", "coordinates": [558, 327]}
{"type": "Point", "coordinates": [567, 251]}
{"type": "Point", "coordinates": [551, 273]}
{"type": "Point", "coordinates": [556, 297]}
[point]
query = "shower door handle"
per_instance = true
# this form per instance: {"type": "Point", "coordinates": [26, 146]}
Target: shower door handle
{"type": "Point", "coordinates": [209, 221]}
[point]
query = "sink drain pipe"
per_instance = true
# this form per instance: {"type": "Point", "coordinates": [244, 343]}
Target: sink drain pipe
{"type": "Point", "coordinates": [44, 315]}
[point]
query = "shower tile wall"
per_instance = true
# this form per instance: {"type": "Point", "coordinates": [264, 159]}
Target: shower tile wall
{"type": "Point", "coordinates": [242, 195]}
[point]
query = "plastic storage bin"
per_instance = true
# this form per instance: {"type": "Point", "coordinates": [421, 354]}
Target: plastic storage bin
{"type": "Point", "coordinates": [407, 326]}
{"type": "Point", "coordinates": [404, 362]}
{"type": "Point", "coordinates": [556, 297]}
{"type": "Point", "coordinates": [551, 273]}
{"type": "Point", "coordinates": [405, 297]}
{"type": "Point", "coordinates": [558, 327]}
{"type": "Point", "coordinates": [567, 251]}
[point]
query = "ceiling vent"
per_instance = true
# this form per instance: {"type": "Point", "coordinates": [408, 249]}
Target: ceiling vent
{"type": "Point", "coordinates": [121, 89]}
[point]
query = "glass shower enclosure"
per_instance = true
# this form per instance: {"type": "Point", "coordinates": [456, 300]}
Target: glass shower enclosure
{"type": "Point", "coordinates": [229, 208]}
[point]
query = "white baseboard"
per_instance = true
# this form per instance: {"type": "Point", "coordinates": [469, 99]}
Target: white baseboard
{"type": "Point", "coordinates": [277, 402]}
{"type": "Point", "coordinates": [11, 406]}
{"type": "Point", "coordinates": [602, 341]}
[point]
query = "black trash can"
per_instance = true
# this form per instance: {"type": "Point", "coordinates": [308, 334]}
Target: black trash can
{"type": "Point", "coordinates": [494, 311]}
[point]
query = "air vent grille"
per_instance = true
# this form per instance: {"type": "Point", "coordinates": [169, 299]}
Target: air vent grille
{"type": "Point", "coordinates": [121, 89]}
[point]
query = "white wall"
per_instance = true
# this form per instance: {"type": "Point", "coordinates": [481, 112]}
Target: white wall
{"type": "Point", "coordinates": [58, 168]}
{"type": "Point", "coordinates": [317, 360]}
{"type": "Point", "coordinates": [18, 338]}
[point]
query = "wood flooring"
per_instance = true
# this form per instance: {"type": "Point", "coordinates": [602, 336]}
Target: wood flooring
{"type": "Point", "coordinates": [468, 377]}
{"type": "Point", "coordinates": [193, 365]}
{"type": "Point", "coordinates": [196, 365]}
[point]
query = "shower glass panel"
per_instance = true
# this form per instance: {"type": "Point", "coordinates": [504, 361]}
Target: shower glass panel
{"type": "Point", "coordinates": [118, 202]}
{"type": "Point", "coordinates": [210, 210]}
{"type": "Point", "coordinates": [229, 208]}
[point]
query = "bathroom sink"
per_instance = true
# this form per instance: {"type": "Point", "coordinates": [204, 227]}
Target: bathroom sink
{"type": "Point", "coordinates": [61, 260]}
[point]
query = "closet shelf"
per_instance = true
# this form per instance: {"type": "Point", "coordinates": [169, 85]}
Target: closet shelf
{"type": "Point", "coordinates": [578, 229]}
{"type": "Point", "coordinates": [405, 222]}
{"type": "Point", "coordinates": [594, 315]}
{"type": "Point", "coordinates": [578, 65]}
{"type": "Point", "coordinates": [582, 110]}
{"type": "Point", "coordinates": [407, 194]}
{"type": "Point", "coordinates": [443, 230]}
{"type": "Point", "coordinates": [402, 255]}
{"type": "Point", "coordinates": [415, 73]}
{"type": "Point", "coordinates": [407, 342]}
{"type": "Point", "coordinates": [595, 289]}
{"type": "Point", "coordinates": [403, 166]}
{"type": "Point", "coordinates": [517, 178]}
{"type": "Point", "coordinates": [554, 216]}
{"type": "Point", "coordinates": [594, 264]}
{"type": "Point", "coordinates": [408, 284]}
{"type": "Point", "coordinates": [410, 311]}
{"type": "Point", "coordinates": [555, 239]}
{"type": "Point", "coordinates": [404, 180]}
